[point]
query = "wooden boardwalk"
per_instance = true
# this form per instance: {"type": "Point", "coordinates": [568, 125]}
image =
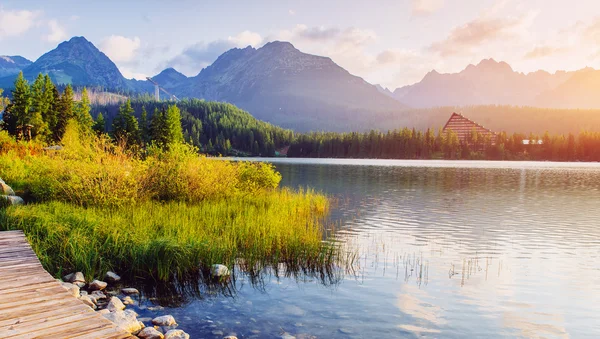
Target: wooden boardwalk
{"type": "Point", "coordinates": [34, 305]}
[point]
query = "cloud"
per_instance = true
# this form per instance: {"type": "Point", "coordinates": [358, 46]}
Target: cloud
{"type": "Point", "coordinates": [395, 56]}
{"type": "Point", "coordinates": [120, 49]}
{"type": "Point", "coordinates": [292, 12]}
{"type": "Point", "coordinates": [592, 31]}
{"type": "Point", "coordinates": [483, 29]}
{"type": "Point", "coordinates": [130, 74]}
{"type": "Point", "coordinates": [57, 32]}
{"type": "Point", "coordinates": [197, 56]}
{"type": "Point", "coordinates": [15, 23]}
{"type": "Point", "coordinates": [543, 51]}
{"type": "Point", "coordinates": [426, 7]}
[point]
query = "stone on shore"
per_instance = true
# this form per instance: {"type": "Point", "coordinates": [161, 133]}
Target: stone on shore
{"type": "Point", "coordinates": [150, 333]}
{"type": "Point", "coordinates": [5, 189]}
{"type": "Point", "coordinates": [74, 290]}
{"type": "Point", "coordinates": [176, 334]}
{"type": "Point", "coordinates": [96, 295]}
{"type": "Point", "coordinates": [104, 311]}
{"type": "Point", "coordinates": [126, 320]}
{"type": "Point", "coordinates": [128, 301]}
{"type": "Point", "coordinates": [112, 277]}
{"type": "Point", "coordinates": [97, 285]}
{"type": "Point", "coordinates": [12, 199]}
{"type": "Point", "coordinates": [129, 290]}
{"type": "Point", "coordinates": [219, 270]}
{"type": "Point", "coordinates": [165, 320]}
{"type": "Point", "coordinates": [230, 337]}
{"type": "Point", "coordinates": [115, 304]}
{"type": "Point", "coordinates": [73, 277]}
{"type": "Point", "coordinates": [86, 300]}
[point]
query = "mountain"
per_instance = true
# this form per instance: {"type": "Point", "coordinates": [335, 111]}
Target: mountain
{"type": "Point", "coordinates": [11, 65]}
{"type": "Point", "coordinates": [489, 82]}
{"type": "Point", "coordinates": [169, 78]}
{"type": "Point", "coordinates": [76, 62]}
{"type": "Point", "coordinates": [384, 90]}
{"type": "Point", "coordinates": [579, 91]}
{"type": "Point", "coordinates": [280, 84]}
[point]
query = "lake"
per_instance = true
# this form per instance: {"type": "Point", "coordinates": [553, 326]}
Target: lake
{"type": "Point", "coordinates": [442, 249]}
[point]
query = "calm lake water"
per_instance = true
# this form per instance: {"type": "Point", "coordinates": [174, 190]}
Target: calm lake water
{"type": "Point", "coordinates": [444, 249]}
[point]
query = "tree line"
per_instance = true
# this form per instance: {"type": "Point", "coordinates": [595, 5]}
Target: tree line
{"type": "Point", "coordinates": [408, 143]}
{"type": "Point", "coordinates": [224, 129]}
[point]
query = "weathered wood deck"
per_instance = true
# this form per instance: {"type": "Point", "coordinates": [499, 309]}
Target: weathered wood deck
{"type": "Point", "coordinates": [34, 305]}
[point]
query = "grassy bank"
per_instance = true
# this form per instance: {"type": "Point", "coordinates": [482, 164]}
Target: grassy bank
{"type": "Point", "coordinates": [164, 215]}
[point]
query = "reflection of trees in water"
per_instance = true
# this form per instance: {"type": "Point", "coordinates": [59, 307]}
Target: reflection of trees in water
{"type": "Point", "coordinates": [202, 285]}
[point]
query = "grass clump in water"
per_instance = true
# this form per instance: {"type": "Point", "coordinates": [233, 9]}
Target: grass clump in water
{"type": "Point", "coordinates": [167, 215]}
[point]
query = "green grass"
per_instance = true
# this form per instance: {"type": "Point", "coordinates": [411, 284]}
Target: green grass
{"type": "Point", "coordinates": [167, 215]}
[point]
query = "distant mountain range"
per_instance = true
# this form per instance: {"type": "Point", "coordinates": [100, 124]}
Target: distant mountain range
{"type": "Point", "coordinates": [491, 82]}
{"type": "Point", "coordinates": [282, 85]}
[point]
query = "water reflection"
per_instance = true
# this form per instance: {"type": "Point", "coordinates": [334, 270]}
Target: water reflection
{"type": "Point", "coordinates": [444, 251]}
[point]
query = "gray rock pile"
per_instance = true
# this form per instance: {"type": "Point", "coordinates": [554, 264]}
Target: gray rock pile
{"type": "Point", "coordinates": [112, 305]}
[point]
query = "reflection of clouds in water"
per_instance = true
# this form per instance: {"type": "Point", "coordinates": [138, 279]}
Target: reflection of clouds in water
{"type": "Point", "coordinates": [427, 317]}
{"type": "Point", "coordinates": [535, 325]}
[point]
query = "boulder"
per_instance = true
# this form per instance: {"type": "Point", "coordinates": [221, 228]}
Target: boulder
{"type": "Point", "coordinates": [230, 337]}
{"type": "Point", "coordinates": [74, 277]}
{"type": "Point", "coordinates": [97, 285]}
{"type": "Point", "coordinates": [104, 311]}
{"type": "Point", "coordinates": [115, 304]}
{"type": "Point", "coordinates": [219, 270]}
{"type": "Point", "coordinates": [165, 320]}
{"type": "Point", "coordinates": [128, 301]}
{"type": "Point", "coordinates": [129, 291]}
{"type": "Point", "coordinates": [5, 189]}
{"type": "Point", "coordinates": [86, 300]}
{"type": "Point", "coordinates": [150, 333]}
{"type": "Point", "coordinates": [126, 320]}
{"type": "Point", "coordinates": [176, 334]}
{"type": "Point", "coordinates": [97, 295]}
{"type": "Point", "coordinates": [112, 277]}
{"type": "Point", "coordinates": [74, 290]}
{"type": "Point", "coordinates": [12, 200]}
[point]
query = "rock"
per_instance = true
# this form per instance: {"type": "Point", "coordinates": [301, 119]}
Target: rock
{"type": "Point", "coordinates": [79, 284]}
{"type": "Point", "coordinates": [82, 293]}
{"type": "Point", "coordinates": [219, 270]}
{"type": "Point", "coordinates": [150, 333]}
{"type": "Point", "coordinates": [53, 148]}
{"type": "Point", "coordinates": [128, 301]}
{"type": "Point", "coordinates": [12, 199]}
{"type": "Point", "coordinates": [71, 288]}
{"type": "Point", "coordinates": [176, 334]}
{"type": "Point", "coordinates": [97, 285]}
{"type": "Point", "coordinates": [5, 189]}
{"type": "Point", "coordinates": [287, 336]}
{"type": "Point", "coordinates": [73, 277]}
{"type": "Point", "coordinates": [129, 290]}
{"type": "Point", "coordinates": [96, 295]}
{"type": "Point", "coordinates": [86, 300]}
{"type": "Point", "coordinates": [104, 311]}
{"type": "Point", "coordinates": [112, 277]}
{"type": "Point", "coordinates": [155, 308]}
{"type": "Point", "coordinates": [126, 320]}
{"type": "Point", "coordinates": [230, 337]}
{"type": "Point", "coordinates": [115, 304]}
{"type": "Point", "coordinates": [165, 320]}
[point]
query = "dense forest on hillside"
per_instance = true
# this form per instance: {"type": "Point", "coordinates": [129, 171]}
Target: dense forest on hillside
{"type": "Point", "coordinates": [214, 127]}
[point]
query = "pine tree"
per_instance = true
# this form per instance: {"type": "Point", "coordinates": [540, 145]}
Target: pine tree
{"type": "Point", "coordinates": [82, 112]}
{"type": "Point", "coordinates": [20, 114]}
{"type": "Point", "coordinates": [99, 124]}
{"type": "Point", "coordinates": [158, 128]}
{"type": "Point", "coordinates": [39, 108]}
{"type": "Point", "coordinates": [64, 112]}
{"type": "Point", "coordinates": [173, 121]}
{"type": "Point", "coordinates": [144, 127]}
{"type": "Point", "coordinates": [125, 126]}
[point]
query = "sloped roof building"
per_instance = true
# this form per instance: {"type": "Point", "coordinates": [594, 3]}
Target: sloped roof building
{"type": "Point", "coordinates": [464, 127]}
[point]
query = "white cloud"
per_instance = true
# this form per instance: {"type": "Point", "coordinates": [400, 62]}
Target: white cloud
{"type": "Point", "coordinates": [426, 7]}
{"type": "Point", "coordinates": [199, 55]}
{"type": "Point", "coordinates": [15, 23]}
{"type": "Point", "coordinates": [57, 32]}
{"type": "Point", "coordinates": [292, 12]}
{"type": "Point", "coordinates": [120, 49]}
{"type": "Point", "coordinates": [130, 74]}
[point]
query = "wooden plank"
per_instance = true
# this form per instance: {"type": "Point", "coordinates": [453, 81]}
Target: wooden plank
{"type": "Point", "coordinates": [34, 305]}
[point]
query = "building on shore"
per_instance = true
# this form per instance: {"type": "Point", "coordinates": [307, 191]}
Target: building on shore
{"type": "Point", "coordinates": [468, 131]}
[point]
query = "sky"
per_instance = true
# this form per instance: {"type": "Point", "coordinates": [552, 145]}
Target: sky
{"type": "Point", "coordinates": [392, 43]}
